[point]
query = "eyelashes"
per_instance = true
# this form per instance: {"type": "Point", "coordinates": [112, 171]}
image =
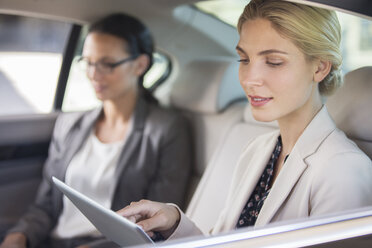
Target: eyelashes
{"type": "Point", "coordinates": [244, 61]}
{"type": "Point", "coordinates": [272, 64]}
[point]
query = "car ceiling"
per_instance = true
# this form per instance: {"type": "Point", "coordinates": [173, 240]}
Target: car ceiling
{"type": "Point", "coordinates": [87, 10]}
{"type": "Point", "coordinates": [157, 14]}
{"type": "Point", "coordinates": [180, 32]}
{"type": "Point", "coordinates": [363, 7]}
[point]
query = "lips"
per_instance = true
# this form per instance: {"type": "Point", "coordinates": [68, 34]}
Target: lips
{"type": "Point", "coordinates": [99, 88]}
{"type": "Point", "coordinates": [257, 101]}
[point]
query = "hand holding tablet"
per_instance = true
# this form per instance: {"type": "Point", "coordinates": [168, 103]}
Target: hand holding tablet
{"type": "Point", "coordinates": [115, 227]}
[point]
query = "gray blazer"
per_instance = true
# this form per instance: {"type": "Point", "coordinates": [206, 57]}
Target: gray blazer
{"type": "Point", "coordinates": [154, 164]}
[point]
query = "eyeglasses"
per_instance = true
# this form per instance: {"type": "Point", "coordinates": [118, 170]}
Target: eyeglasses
{"type": "Point", "coordinates": [102, 67]}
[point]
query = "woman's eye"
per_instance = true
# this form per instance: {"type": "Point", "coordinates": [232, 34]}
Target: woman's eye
{"type": "Point", "coordinates": [107, 64]}
{"type": "Point", "coordinates": [244, 61]}
{"type": "Point", "coordinates": [274, 63]}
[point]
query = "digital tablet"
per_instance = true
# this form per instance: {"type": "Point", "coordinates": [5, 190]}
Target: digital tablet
{"type": "Point", "coordinates": [115, 227]}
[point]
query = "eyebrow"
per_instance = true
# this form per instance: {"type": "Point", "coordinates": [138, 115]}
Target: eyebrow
{"type": "Point", "coordinates": [265, 52]}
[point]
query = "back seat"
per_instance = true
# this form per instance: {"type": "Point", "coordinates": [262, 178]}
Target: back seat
{"type": "Point", "coordinates": [208, 93]}
{"type": "Point", "coordinates": [211, 193]}
{"type": "Point", "coordinates": [350, 107]}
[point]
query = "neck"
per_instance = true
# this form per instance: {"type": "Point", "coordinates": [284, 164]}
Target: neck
{"type": "Point", "coordinates": [292, 126]}
{"type": "Point", "coordinates": [119, 110]}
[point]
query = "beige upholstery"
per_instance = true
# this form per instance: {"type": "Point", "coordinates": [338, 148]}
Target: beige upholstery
{"type": "Point", "coordinates": [211, 193]}
{"type": "Point", "coordinates": [208, 93]}
{"type": "Point", "coordinates": [208, 131]}
{"type": "Point", "coordinates": [351, 107]}
{"type": "Point", "coordinates": [207, 86]}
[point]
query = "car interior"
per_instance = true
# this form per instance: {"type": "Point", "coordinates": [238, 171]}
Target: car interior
{"type": "Point", "coordinates": [196, 74]}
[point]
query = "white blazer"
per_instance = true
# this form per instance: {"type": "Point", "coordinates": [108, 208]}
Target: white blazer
{"type": "Point", "coordinates": [324, 173]}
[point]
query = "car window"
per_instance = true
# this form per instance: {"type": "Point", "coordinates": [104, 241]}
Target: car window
{"type": "Point", "coordinates": [356, 31]}
{"type": "Point", "coordinates": [31, 51]}
{"type": "Point", "coordinates": [80, 95]}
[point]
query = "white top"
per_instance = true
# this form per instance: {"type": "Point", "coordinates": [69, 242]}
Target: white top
{"type": "Point", "coordinates": [91, 172]}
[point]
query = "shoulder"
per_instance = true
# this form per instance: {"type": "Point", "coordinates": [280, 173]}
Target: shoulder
{"type": "Point", "coordinates": [338, 150]}
{"type": "Point", "coordinates": [339, 175]}
{"type": "Point", "coordinates": [67, 121]}
{"type": "Point", "coordinates": [162, 118]}
{"type": "Point", "coordinates": [339, 162]}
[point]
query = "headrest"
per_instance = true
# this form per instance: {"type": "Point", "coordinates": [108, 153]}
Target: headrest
{"type": "Point", "coordinates": [351, 105]}
{"type": "Point", "coordinates": [207, 86]}
{"type": "Point", "coordinates": [248, 118]}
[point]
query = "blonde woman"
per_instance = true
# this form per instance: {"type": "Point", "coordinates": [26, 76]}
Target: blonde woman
{"type": "Point", "coordinates": [289, 61]}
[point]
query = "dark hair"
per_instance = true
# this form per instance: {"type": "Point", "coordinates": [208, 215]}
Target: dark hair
{"type": "Point", "coordinates": [135, 33]}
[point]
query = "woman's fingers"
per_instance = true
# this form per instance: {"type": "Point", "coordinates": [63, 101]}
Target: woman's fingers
{"type": "Point", "coordinates": [155, 223]}
{"type": "Point", "coordinates": [134, 218]}
{"type": "Point", "coordinates": [151, 234]}
{"type": "Point", "coordinates": [151, 216]}
{"type": "Point", "coordinates": [138, 210]}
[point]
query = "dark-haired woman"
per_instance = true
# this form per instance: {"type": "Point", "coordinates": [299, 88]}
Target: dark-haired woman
{"type": "Point", "coordinates": [126, 150]}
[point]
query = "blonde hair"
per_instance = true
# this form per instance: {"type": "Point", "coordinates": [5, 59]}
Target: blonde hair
{"type": "Point", "coordinates": [315, 31]}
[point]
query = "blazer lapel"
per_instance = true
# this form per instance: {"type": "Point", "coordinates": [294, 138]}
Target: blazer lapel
{"type": "Point", "coordinates": [77, 138]}
{"type": "Point", "coordinates": [253, 165]}
{"type": "Point", "coordinates": [307, 144]}
{"type": "Point", "coordinates": [285, 182]}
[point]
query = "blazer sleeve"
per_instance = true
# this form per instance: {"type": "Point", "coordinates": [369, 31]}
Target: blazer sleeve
{"type": "Point", "coordinates": [343, 183]}
{"type": "Point", "coordinates": [185, 228]}
{"type": "Point", "coordinates": [174, 164]}
{"type": "Point", "coordinates": [39, 219]}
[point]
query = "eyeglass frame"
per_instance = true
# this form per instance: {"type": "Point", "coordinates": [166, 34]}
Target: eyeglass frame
{"type": "Point", "coordinates": [110, 66]}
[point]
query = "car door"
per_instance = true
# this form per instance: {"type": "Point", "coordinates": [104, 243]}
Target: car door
{"type": "Point", "coordinates": [35, 58]}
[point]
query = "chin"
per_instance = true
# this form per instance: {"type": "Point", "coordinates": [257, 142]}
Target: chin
{"type": "Point", "coordinates": [263, 116]}
{"type": "Point", "coordinates": [100, 96]}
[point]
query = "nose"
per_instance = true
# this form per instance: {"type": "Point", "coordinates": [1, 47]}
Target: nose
{"type": "Point", "coordinates": [93, 73]}
{"type": "Point", "coordinates": [250, 75]}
